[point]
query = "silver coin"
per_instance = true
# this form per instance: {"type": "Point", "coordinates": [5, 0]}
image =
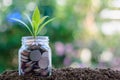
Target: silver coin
{"type": "Point", "coordinates": [37, 70]}
{"type": "Point", "coordinates": [25, 53]}
{"type": "Point", "coordinates": [34, 46]}
{"type": "Point", "coordinates": [45, 54]}
{"type": "Point", "coordinates": [43, 62]}
{"type": "Point", "coordinates": [35, 55]}
{"type": "Point", "coordinates": [28, 69]}
{"type": "Point", "coordinates": [44, 48]}
{"type": "Point", "coordinates": [31, 65]}
{"type": "Point", "coordinates": [28, 63]}
{"type": "Point", "coordinates": [44, 72]}
{"type": "Point", "coordinates": [24, 57]}
{"type": "Point", "coordinates": [24, 60]}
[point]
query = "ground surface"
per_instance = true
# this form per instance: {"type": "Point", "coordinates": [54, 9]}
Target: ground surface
{"type": "Point", "coordinates": [67, 74]}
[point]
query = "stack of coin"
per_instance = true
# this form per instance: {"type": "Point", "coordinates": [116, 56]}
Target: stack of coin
{"type": "Point", "coordinates": [35, 59]}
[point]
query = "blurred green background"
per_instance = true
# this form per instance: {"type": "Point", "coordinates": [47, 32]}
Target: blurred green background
{"type": "Point", "coordinates": [85, 33]}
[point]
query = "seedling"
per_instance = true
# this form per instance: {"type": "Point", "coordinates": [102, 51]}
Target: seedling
{"type": "Point", "coordinates": [37, 23]}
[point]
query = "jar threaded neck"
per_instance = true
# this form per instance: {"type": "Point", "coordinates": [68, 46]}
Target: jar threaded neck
{"type": "Point", "coordinates": [30, 39]}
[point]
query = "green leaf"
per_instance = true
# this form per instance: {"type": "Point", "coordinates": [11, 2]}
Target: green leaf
{"type": "Point", "coordinates": [43, 25]}
{"type": "Point", "coordinates": [29, 21]}
{"type": "Point", "coordinates": [23, 24]}
{"type": "Point", "coordinates": [35, 20]}
{"type": "Point", "coordinates": [36, 15]}
{"type": "Point", "coordinates": [42, 20]}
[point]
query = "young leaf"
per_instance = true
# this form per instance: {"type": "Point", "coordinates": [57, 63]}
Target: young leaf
{"type": "Point", "coordinates": [30, 22]}
{"type": "Point", "coordinates": [36, 15]}
{"type": "Point", "coordinates": [29, 19]}
{"type": "Point", "coordinates": [23, 24]}
{"type": "Point", "coordinates": [42, 20]}
{"type": "Point", "coordinates": [43, 25]}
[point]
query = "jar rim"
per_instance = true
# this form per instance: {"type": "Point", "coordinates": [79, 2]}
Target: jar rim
{"type": "Point", "coordinates": [37, 37]}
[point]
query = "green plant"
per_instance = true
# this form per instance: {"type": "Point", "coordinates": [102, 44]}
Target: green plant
{"type": "Point", "coordinates": [37, 23]}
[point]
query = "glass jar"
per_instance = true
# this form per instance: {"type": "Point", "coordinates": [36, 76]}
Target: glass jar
{"type": "Point", "coordinates": [35, 56]}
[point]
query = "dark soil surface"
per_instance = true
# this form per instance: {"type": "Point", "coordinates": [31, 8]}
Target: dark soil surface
{"type": "Point", "coordinates": [67, 74]}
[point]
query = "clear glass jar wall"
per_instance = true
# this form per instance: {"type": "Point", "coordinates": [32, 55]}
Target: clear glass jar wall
{"type": "Point", "coordinates": [35, 56]}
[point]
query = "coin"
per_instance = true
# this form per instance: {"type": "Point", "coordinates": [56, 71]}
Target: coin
{"type": "Point", "coordinates": [24, 60]}
{"type": "Point", "coordinates": [37, 70]}
{"type": "Point", "coordinates": [22, 65]}
{"type": "Point", "coordinates": [36, 66]}
{"type": "Point", "coordinates": [35, 55]}
{"type": "Point", "coordinates": [28, 63]}
{"type": "Point", "coordinates": [44, 48]}
{"type": "Point", "coordinates": [45, 54]}
{"type": "Point", "coordinates": [34, 47]}
{"type": "Point", "coordinates": [43, 62]}
{"type": "Point", "coordinates": [24, 57]}
{"type": "Point", "coordinates": [28, 69]}
{"type": "Point", "coordinates": [44, 73]}
{"type": "Point", "coordinates": [31, 65]}
{"type": "Point", "coordinates": [25, 53]}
